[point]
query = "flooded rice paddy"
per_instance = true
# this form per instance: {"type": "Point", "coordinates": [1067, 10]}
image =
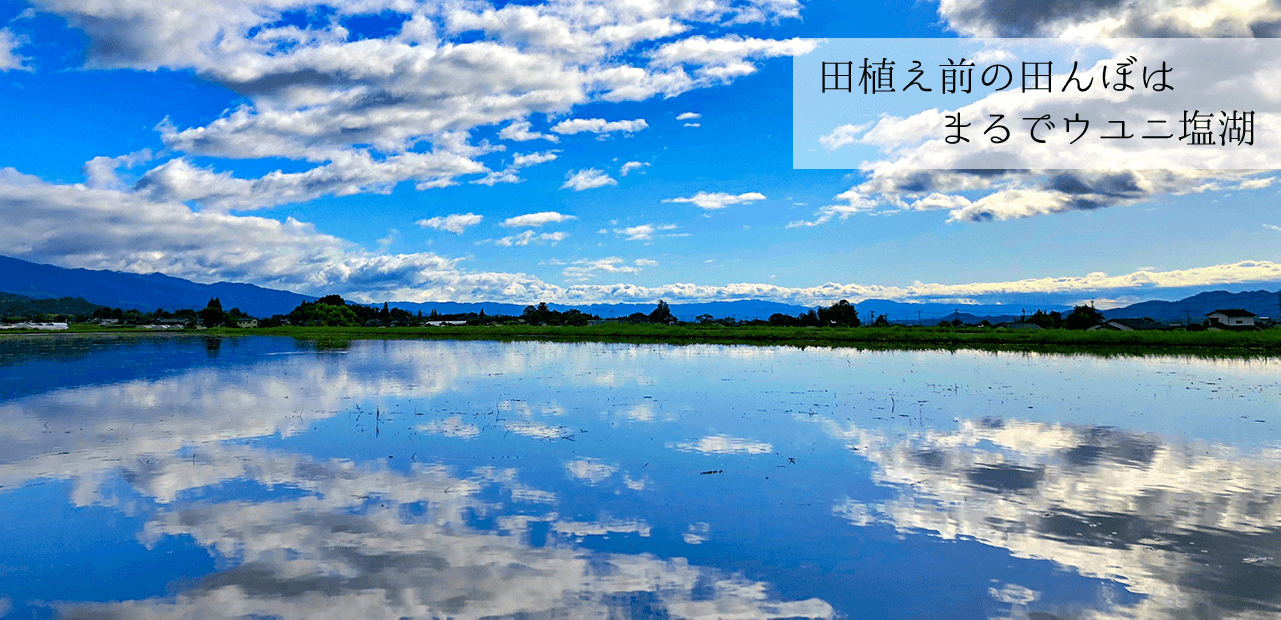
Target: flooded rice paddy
{"type": "Point", "coordinates": [188, 477]}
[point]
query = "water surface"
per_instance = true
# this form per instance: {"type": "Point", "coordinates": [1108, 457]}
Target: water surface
{"type": "Point", "coordinates": [189, 477]}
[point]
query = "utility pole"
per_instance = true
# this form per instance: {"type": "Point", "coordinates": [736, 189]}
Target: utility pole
{"type": "Point", "coordinates": [918, 318]}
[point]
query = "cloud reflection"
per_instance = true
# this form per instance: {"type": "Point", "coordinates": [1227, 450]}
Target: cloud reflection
{"type": "Point", "coordinates": [1187, 524]}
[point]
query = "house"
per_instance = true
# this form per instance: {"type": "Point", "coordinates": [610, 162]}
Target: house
{"type": "Point", "coordinates": [1129, 325]}
{"type": "Point", "coordinates": [1231, 317]}
{"type": "Point", "coordinates": [247, 324]}
{"type": "Point", "coordinates": [445, 323]}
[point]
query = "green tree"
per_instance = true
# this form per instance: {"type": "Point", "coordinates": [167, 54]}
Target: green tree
{"type": "Point", "coordinates": [212, 315]}
{"type": "Point", "coordinates": [662, 314]}
{"type": "Point", "coordinates": [840, 314]}
{"type": "Point", "coordinates": [1046, 320]}
{"type": "Point", "coordinates": [1083, 317]}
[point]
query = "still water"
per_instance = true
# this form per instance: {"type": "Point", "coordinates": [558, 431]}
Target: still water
{"type": "Point", "coordinates": [188, 477]}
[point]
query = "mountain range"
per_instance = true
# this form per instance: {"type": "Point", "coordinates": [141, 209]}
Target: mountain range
{"type": "Point", "coordinates": [147, 292]}
{"type": "Point", "coordinates": [144, 292]}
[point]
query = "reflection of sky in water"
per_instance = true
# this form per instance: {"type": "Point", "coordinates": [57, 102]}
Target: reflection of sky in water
{"type": "Point", "coordinates": [194, 477]}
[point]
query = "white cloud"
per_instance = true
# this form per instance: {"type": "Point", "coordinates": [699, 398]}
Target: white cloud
{"type": "Point", "coordinates": [9, 58]}
{"type": "Point", "coordinates": [455, 223]}
{"type": "Point", "coordinates": [698, 533]}
{"type": "Point", "coordinates": [1112, 19]}
{"type": "Point", "coordinates": [579, 180]}
{"type": "Point", "coordinates": [645, 262]}
{"type": "Point", "coordinates": [521, 131]}
{"type": "Point", "coordinates": [632, 165]}
{"type": "Point", "coordinates": [591, 471]}
{"type": "Point", "coordinates": [718, 200]}
{"type": "Point", "coordinates": [100, 172]}
{"type": "Point", "coordinates": [585, 269]}
{"type": "Point", "coordinates": [348, 173]}
{"type": "Point", "coordinates": [693, 124]}
{"type": "Point", "coordinates": [530, 236]}
{"type": "Point", "coordinates": [598, 125]}
{"type": "Point", "coordinates": [857, 204]}
{"type": "Point", "coordinates": [843, 135]}
{"type": "Point", "coordinates": [536, 219]}
{"type": "Point", "coordinates": [643, 232]}
{"type": "Point", "coordinates": [520, 161]}
{"type": "Point", "coordinates": [78, 226]}
{"type": "Point", "coordinates": [524, 160]}
{"type": "Point", "coordinates": [359, 109]}
{"type": "Point", "coordinates": [724, 444]}
{"type": "Point", "coordinates": [1272, 226]}
{"type": "Point", "coordinates": [725, 58]}
{"type": "Point", "coordinates": [689, 116]}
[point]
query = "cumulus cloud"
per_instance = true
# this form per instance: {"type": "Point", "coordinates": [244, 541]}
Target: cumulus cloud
{"type": "Point", "coordinates": [365, 112]}
{"type": "Point", "coordinates": [520, 161]}
{"type": "Point", "coordinates": [1011, 194]}
{"type": "Point", "coordinates": [81, 226]}
{"type": "Point", "coordinates": [726, 58]}
{"type": "Point", "coordinates": [591, 178]}
{"type": "Point", "coordinates": [100, 172]}
{"type": "Point", "coordinates": [632, 165]}
{"type": "Point", "coordinates": [536, 219]}
{"type": "Point", "coordinates": [76, 225]}
{"type": "Point", "coordinates": [9, 58]}
{"type": "Point", "coordinates": [598, 125]}
{"type": "Point", "coordinates": [718, 200]}
{"type": "Point", "coordinates": [1112, 18]}
{"type": "Point", "coordinates": [689, 116]}
{"type": "Point", "coordinates": [585, 269]}
{"type": "Point", "coordinates": [843, 135]}
{"type": "Point", "coordinates": [522, 131]}
{"type": "Point", "coordinates": [348, 173]}
{"type": "Point", "coordinates": [456, 223]}
{"type": "Point", "coordinates": [643, 232]}
{"type": "Point", "coordinates": [530, 236]}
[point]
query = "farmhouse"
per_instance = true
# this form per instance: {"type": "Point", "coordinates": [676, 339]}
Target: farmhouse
{"type": "Point", "coordinates": [1232, 317]}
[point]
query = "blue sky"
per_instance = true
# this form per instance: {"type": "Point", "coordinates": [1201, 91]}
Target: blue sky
{"type": "Point", "coordinates": [648, 143]}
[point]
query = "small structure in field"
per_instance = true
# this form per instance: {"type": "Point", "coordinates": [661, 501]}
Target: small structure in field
{"type": "Point", "coordinates": [1234, 318]}
{"type": "Point", "coordinates": [1129, 325]}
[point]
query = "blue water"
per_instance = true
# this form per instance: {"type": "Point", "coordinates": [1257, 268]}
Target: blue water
{"type": "Point", "coordinates": [192, 477]}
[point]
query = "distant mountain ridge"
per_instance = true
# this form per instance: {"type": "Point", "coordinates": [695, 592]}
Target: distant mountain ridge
{"type": "Point", "coordinates": [147, 292]}
{"type": "Point", "coordinates": [1262, 303]}
{"type": "Point", "coordinates": [144, 292]}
